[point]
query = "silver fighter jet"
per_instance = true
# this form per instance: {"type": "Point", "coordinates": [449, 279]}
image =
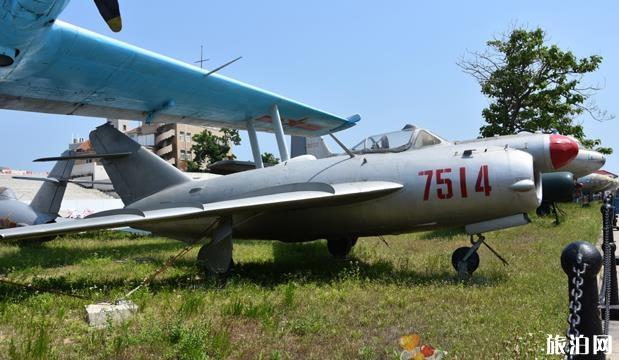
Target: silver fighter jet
{"type": "Point", "coordinates": [400, 182]}
{"type": "Point", "coordinates": [43, 208]}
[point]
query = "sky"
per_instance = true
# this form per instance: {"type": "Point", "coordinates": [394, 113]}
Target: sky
{"type": "Point", "coordinates": [392, 62]}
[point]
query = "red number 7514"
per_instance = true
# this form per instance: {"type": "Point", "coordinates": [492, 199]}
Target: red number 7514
{"type": "Point", "coordinates": [444, 184]}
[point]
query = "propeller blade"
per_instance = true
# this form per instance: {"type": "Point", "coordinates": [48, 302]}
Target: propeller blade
{"type": "Point", "coordinates": [110, 11]}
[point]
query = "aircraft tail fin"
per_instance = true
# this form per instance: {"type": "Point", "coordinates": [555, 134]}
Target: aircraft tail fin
{"type": "Point", "coordinates": [49, 197]}
{"type": "Point", "coordinates": [137, 174]}
{"type": "Point", "coordinates": [309, 146]}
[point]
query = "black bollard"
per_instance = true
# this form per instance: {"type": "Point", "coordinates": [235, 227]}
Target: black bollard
{"type": "Point", "coordinates": [581, 261]}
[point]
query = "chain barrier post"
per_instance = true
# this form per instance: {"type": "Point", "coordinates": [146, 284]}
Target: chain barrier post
{"type": "Point", "coordinates": [581, 262]}
{"type": "Point", "coordinates": [610, 292]}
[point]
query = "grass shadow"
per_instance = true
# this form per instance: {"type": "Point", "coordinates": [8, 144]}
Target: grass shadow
{"type": "Point", "coordinates": [311, 263]}
{"type": "Point", "coordinates": [49, 255]}
{"type": "Point", "coordinates": [442, 234]}
{"type": "Point", "coordinates": [308, 263]}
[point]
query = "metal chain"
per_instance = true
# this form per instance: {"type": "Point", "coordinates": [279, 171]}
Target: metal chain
{"type": "Point", "coordinates": [575, 305]}
{"type": "Point", "coordinates": [607, 227]}
{"type": "Point", "coordinates": [166, 265]}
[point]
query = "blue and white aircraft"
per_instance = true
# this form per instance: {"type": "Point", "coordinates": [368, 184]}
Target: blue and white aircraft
{"type": "Point", "coordinates": [50, 66]}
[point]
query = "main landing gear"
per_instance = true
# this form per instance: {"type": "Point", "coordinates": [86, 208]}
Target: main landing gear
{"type": "Point", "coordinates": [340, 246]}
{"type": "Point", "coordinates": [215, 258]}
{"type": "Point", "coordinates": [466, 260]}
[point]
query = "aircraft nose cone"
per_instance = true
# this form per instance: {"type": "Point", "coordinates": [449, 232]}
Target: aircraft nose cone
{"type": "Point", "coordinates": [562, 150]}
{"type": "Point", "coordinates": [601, 159]}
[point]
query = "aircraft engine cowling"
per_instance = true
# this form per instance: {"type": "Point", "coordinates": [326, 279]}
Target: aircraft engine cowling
{"type": "Point", "coordinates": [558, 187]}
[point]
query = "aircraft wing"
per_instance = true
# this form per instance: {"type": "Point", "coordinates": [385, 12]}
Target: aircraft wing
{"type": "Point", "coordinates": [77, 72]}
{"type": "Point", "coordinates": [301, 196]}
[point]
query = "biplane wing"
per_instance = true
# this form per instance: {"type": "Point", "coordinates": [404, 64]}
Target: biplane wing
{"type": "Point", "coordinates": [63, 69]}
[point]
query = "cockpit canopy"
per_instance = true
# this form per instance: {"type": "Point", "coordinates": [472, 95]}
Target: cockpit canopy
{"type": "Point", "coordinates": [410, 137]}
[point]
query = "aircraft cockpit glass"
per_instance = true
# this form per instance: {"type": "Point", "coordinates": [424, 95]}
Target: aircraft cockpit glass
{"type": "Point", "coordinates": [397, 141]}
{"type": "Point", "coordinates": [424, 138]}
{"type": "Point", "coordinates": [390, 142]}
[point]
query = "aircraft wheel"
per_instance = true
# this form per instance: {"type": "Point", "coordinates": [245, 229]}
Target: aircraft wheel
{"type": "Point", "coordinates": [210, 269]}
{"type": "Point", "coordinates": [469, 266]}
{"type": "Point", "coordinates": [216, 259]}
{"type": "Point", "coordinates": [543, 210]}
{"type": "Point", "coordinates": [340, 247]}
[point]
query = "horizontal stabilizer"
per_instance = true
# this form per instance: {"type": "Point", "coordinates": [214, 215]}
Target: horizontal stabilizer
{"type": "Point", "coordinates": [307, 196]}
{"type": "Point", "coordinates": [33, 178]}
{"type": "Point", "coordinates": [88, 182]}
{"type": "Point", "coordinates": [57, 181]}
{"type": "Point", "coordinates": [84, 156]}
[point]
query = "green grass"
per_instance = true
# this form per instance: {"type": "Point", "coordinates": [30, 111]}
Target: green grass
{"type": "Point", "coordinates": [294, 301]}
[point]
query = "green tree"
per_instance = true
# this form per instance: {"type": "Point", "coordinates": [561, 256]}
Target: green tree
{"type": "Point", "coordinates": [210, 148]}
{"type": "Point", "coordinates": [534, 86]}
{"type": "Point", "coordinates": [269, 159]}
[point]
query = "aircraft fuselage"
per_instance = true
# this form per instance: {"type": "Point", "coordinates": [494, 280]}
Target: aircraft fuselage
{"type": "Point", "coordinates": [442, 187]}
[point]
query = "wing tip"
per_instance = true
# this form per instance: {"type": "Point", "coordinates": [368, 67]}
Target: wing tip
{"type": "Point", "coordinates": [348, 123]}
{"type": "Point", "coordinates": [354, 118]}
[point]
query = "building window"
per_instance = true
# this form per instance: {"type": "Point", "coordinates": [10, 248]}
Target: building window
{"type": "Point", "coordinates": [181, 136]}
{"type": "Point", "coordinates": [188, 137]}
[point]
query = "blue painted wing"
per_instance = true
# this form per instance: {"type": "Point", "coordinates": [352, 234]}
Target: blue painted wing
{"type": "Point", "coordinates": [69, 70]}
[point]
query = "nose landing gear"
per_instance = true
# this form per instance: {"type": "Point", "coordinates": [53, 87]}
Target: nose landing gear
{"type": "Point", "coordinates": [466, 260]}
{"type": "Point", "coordinates": [339, 247]}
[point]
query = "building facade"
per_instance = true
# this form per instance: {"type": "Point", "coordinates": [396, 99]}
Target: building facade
{"type": "Point", "coordinates": [173, 142]}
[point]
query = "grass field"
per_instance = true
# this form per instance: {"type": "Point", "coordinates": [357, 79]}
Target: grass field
{"type": "Point", "coordinates": [294, 301]}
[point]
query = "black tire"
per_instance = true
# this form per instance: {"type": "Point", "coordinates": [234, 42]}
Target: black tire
{"type": "Point", "coordinates": [340, 247]}
{"type": "Point", "coordinates": [543, 210]}
{"type": "Point", "coordinates": [204, 265]}
{"type": "Point", "coordinates": [472, 263]}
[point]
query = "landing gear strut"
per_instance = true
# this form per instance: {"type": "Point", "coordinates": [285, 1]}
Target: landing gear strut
{"type": "Point", "coordinates": [466, 260]}
{"type": "Point", "coordinates": [340, 247]}
{"type": "Point", "coordinates": [215, 258]}
{"type": "Point", "coordinates": [547, 208]}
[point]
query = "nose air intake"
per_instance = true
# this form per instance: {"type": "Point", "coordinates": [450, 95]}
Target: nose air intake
{"type": "Point", "coordinates": [562, 150]}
